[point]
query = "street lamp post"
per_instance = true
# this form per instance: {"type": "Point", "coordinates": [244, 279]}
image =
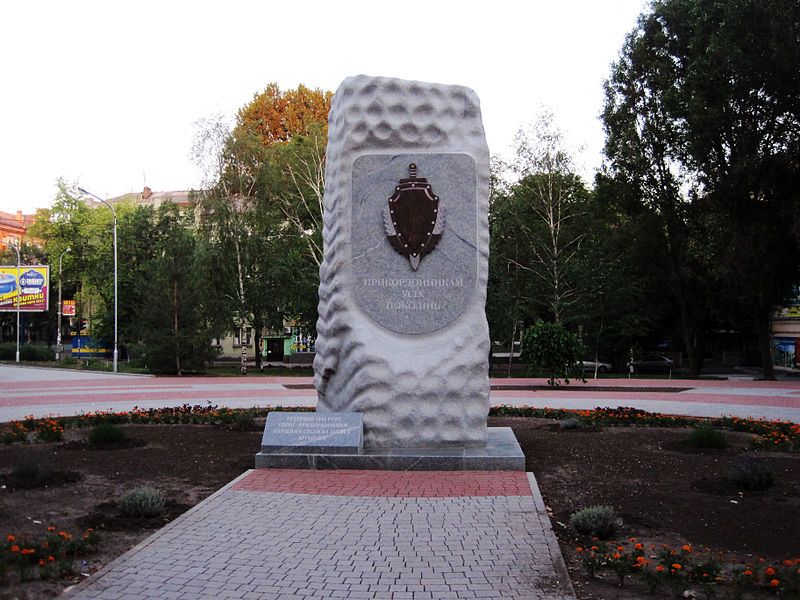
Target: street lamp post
{"type": "Point", "coordinates": [114, 213]}
{"type": "Point", "coordinates": [19, 292]}
{"type": "Point", "coordinates": [59, 347]}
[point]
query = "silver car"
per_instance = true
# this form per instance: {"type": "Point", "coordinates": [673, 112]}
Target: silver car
{"type": "Point", "coordinates": [589, 366]}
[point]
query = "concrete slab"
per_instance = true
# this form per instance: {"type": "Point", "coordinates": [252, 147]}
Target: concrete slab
{"type": "Point", "coordinates": [501, 453]}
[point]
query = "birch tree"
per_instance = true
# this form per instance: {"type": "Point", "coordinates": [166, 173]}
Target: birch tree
{"type": "Point", "coordinates": [545, 203]}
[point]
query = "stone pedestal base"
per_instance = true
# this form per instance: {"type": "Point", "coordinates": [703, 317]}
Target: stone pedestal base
{"type": "Point", "coordinates": [501, 453]}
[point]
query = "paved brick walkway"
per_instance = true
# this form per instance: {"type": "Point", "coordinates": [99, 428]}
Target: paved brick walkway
{"type": "Point", "coordinates": [41, 392]}
{"type": "Point", "coordinates": [275, 534]}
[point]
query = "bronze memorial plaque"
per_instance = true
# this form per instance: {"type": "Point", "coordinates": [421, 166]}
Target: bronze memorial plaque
{"type": "Point", "coordinates": [414, 221]}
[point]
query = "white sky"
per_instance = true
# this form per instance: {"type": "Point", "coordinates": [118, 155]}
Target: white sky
{"type": "Point", "coordinates": [107, 93]}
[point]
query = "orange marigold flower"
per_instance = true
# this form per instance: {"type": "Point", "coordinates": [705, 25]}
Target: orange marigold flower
{"type": "Point", "coordinates": [620, 548]}
{"type": "Point", "coordinates": [686, 548]}
{"type": "Point", "coordinates": [774, 583]}
{"type": "Point", "coordinates": [660, 569]}
{"type": "Point", "coordinates": [641, 560]}
{"type": "Point", "coordinates": [28, 551]}
{"type": "Point", "coordinates": [617, 555]}
{"type": "Point", "coordinates": [595, 548]}
{"type": "Point", "coordinates": [676, 566]}
{"type": "Point", "coordinates": [747, 572]}
{"type": "Point", "coordinates": [579, 549]}
{"type": "Point", "coordinates": [639, 546]}
{"type": "Point", "coordinates": [51, 528]}
{"type": "Point", "coordinates": [51, 558]}
{"type": "Point", "coordinates": [769, 571]}
{"type": "Point", "coordinates": [15, 548]}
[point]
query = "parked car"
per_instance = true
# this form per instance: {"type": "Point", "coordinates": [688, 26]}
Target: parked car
{"type": "Point", "coordinates": [589, 366]}
{"type": "Point", "coordinates": [653, 362]}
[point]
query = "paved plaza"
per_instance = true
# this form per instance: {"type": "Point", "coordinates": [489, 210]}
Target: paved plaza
{"type": "Point", "coordinates": [41, 392]}
{"type": "Point", "coordinates": [286, 534]}
{"type": "Point", "coordinates": [283, 534]}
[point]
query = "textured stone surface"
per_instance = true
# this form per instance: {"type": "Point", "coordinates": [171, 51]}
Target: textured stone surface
{"type": "Point", "coordinates": [418, 384]}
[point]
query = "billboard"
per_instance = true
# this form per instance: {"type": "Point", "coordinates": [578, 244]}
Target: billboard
{"type": "Point", "coordinates": [32, 285]}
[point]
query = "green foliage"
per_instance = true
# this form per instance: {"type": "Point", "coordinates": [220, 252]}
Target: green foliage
{"type": "Point", "coordinates": [27, 352]}
{"type": "Point", "coordinates": [174, 324]}
{"type": "Point", "coordinates": [49, 430]}
{"type": "Point", "coordinates": [550, 347]}
{"type": "Point", "coordinates": [106, 433]}
{"type": "Point", "coordinates": [707, 437]}
{"type": "Point", "coordinates": [702, 133]}
{"type": "Point", "coordinates": [597, 521]}
{"type": "Point", "coordinates": [751, 473]}
{"type": "Point", "coordinates": [244, 420]}
{"type": "Point", "coordinates": [142, 501]}
{"type": "Point", "coordinates": [48, 558]}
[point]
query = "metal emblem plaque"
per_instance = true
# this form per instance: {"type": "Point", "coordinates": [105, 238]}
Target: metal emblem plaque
{"type": "Point", "coordinates": [414, 219]}
{"type": "Point", "coordinates": [402, 292]}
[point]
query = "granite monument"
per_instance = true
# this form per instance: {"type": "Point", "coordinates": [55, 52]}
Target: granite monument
{"type": "Point", "coordinates": [402, 331]}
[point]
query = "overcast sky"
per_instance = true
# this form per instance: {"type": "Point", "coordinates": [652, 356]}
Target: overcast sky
{"type": "Point", "coordinates": [107, 93]}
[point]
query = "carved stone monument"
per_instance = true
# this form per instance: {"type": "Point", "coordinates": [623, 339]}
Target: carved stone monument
{"type": "Point", "coordinates": [402, 331]}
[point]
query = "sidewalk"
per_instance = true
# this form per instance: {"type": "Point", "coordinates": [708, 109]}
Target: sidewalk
{"type": "Point", "coordinates": [283, 534]}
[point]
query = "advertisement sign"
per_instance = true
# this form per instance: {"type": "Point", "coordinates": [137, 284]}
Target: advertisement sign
{"type": "Point", "coordinates": [68, 308]}
{"type": "Point", "coordinates": [31, 287]}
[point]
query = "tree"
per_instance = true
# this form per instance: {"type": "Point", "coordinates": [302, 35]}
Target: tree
{"type": "Point", "coordinates": [553, 349]}
{"type": "Point", "coordinates": [277, 116]}
{"type": "Point", "coordinates": [261, 212]}
{"type": "Point", "coordinates": [174, 325]}
{"type": "Point", "coordinates": [702, 118]}
{"type": "Point", "coordinates": [546, 202]}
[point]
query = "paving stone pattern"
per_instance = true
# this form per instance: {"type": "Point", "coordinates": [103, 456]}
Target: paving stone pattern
{"type": "Point", "coordinates": [246, 542]}
{"type": "Point", "coordinates": [401, 484]}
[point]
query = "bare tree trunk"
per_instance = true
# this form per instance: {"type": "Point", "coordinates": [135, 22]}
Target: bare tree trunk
{"type": "Point", "coordinates": [175, 327]}
{"type": "Point", "coordinates": [242, 311]}
{"type": "Point", "coordinates": [243, 340]}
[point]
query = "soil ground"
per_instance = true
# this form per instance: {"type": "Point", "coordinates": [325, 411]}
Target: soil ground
{"type": "Point", "coordinates": [663, 491]}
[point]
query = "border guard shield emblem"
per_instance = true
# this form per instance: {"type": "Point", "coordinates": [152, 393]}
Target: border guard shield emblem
{"type": "Point", "coordinates": [414, 219]}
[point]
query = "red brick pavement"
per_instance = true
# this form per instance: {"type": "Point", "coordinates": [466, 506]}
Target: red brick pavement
{"type": "Point", "coordinates": [387, 484]}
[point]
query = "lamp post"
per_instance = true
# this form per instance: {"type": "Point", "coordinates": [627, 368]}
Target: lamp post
{"type": "Point", "coordinates": [19, 292]}
{"type": "Point", "coordinates": [59, 347]}
{"type": "Point", "coordinates": [114, 213]}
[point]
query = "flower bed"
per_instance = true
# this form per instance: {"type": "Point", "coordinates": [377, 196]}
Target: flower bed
{"type": "Point", "coordinates": [768, 435]}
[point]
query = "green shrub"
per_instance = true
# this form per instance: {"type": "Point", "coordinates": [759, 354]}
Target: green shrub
{"type": "Point", "coordinates": [36, 352]}
{"type": "Point", "coordinates": [28, 352]}
{"type": "Point", "coordinates": [751, 473]}
{"type": "Point", "coordinates": [572, 423]}
{"type": "Point", "coordinates": [597, 521]}
{"type": "Point", "coordinates": [707, 437]}
{"type": "Point", "coordinates": [106, 434]}
{"type": "Point", "coordinates": [8, 351]}
{"type": "Point", "coordinates": [553, 349]}
{"type": "Point", "coordinates": [142, 501]}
